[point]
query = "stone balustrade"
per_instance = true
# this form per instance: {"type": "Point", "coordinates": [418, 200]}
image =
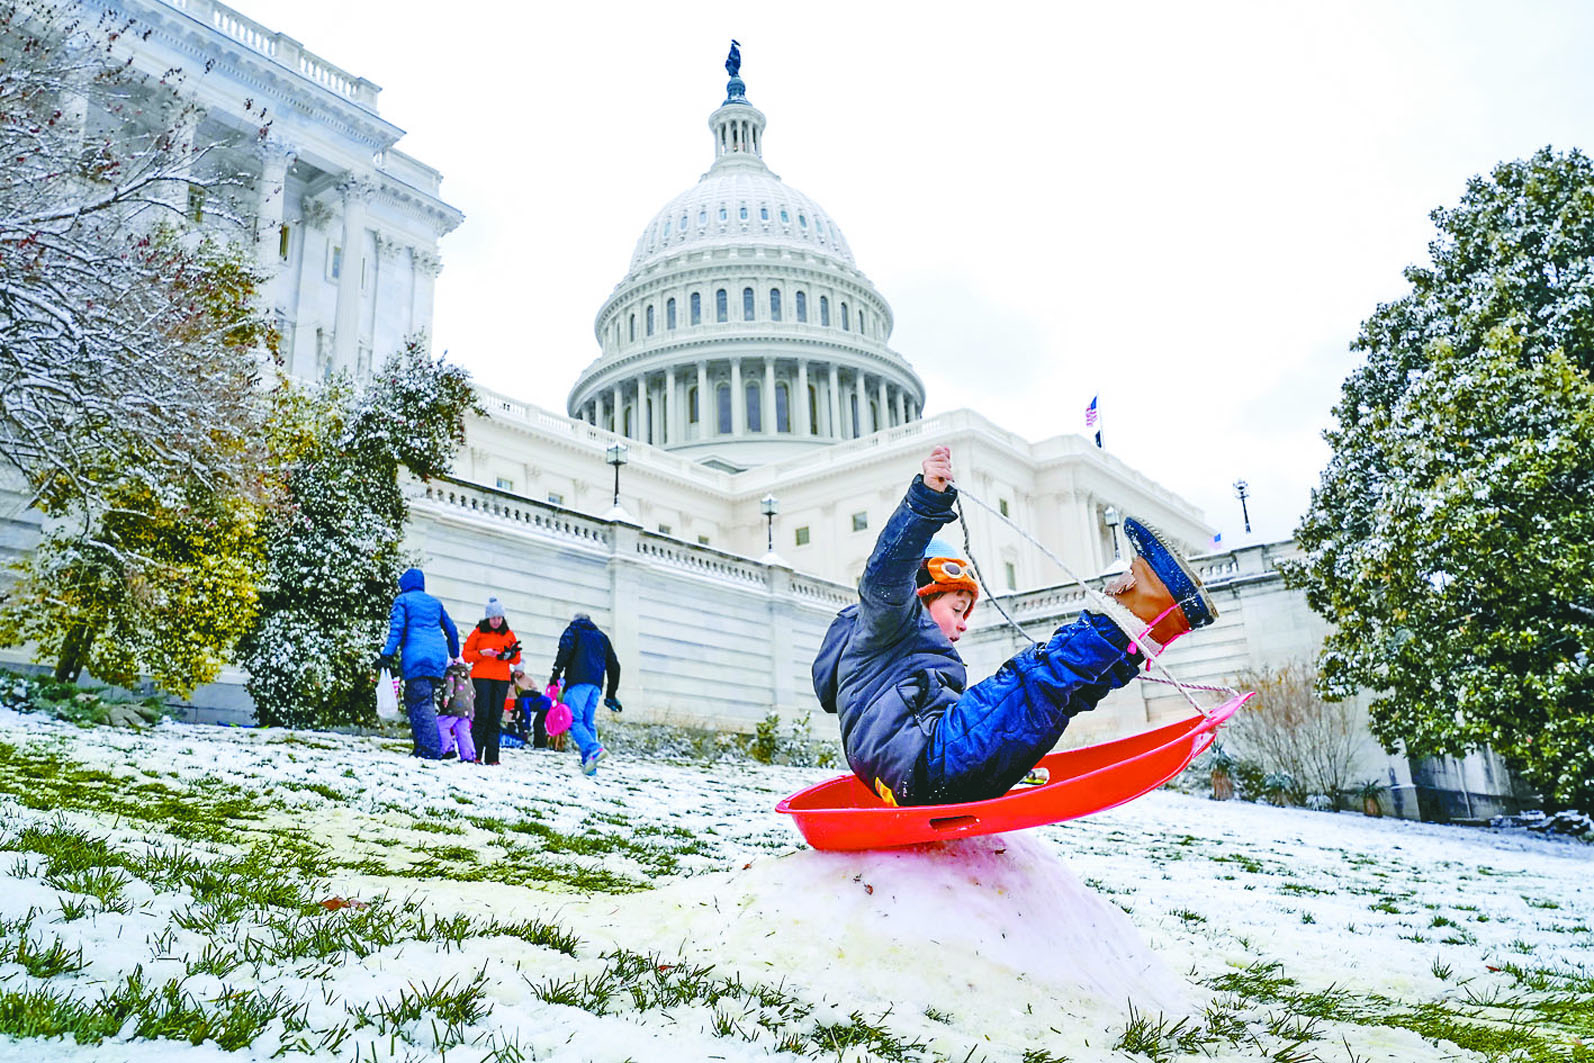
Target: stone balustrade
{"type": "Point", "coordinates": [704, 637]}
{"type": "Point", "coordinates": [281, 48]}
{"type": "Point", "coordinates": [541, 517]}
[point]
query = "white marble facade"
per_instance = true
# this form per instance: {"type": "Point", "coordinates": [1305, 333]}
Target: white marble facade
{"type": "Point", "coordinates": [346, 225]}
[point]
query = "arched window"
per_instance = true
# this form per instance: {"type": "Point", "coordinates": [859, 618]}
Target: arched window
{"type": "Point", "coordinates": [697, 308]}
{"type": "Point", "coordinates": [763, 213]}
{"type": "Point", "coordinates": [861, 326]}
{"type": "Point", "coordinates": [691, 405]}
{"type": "Point", "coordinates": [755, 406]}
{"type": "Point", "coordinates": [782, 407]}
{"type": "Point", "coordinates": [774, 304]}
{"type": "Point", "coordinates": [846, 322]}
{"type": "Point", "coordinates": [744, 212]}
{"type": "Point", "coordinates": [702, 217]}
{"type": "Point", "coordinates": [669, 313]}
{"type": "Point", "coordinates": [824, 310]}
{"type": "Point", "coordinates": [633, 327]}
{"type": "Point", "coordinates": [784, 217]}
{"type": "Point", "coordinates": [650, 318]}
{"type": "Point", "coordinates": [627, 432]}
{"type": "Point", "coordinates": [722, 399]}
{"type": "Point", "coordinates": [813, 410]}
{"type": "Point", "coordinates": [747, 304]}
{"type": "Point", "coordinates": [854, 405]}
{"type": "Point", "coordinates": [723, 215]}
{"type": "Point", "coordinates": [802, 306]}
{"type": "Point", "coordinates": [720, 310]}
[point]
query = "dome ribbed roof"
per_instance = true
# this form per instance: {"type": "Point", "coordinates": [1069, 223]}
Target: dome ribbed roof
{"type": "Point", "coordinates": [711, 214]}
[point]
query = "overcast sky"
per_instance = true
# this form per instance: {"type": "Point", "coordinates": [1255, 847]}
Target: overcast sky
{"type": "Point", "coordinates": [1186, 208]}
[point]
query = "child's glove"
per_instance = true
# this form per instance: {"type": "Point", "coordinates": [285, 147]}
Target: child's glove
{"type": "Point", "coordinates": [612, 702]}
{"type": "Point", "coordinates": [386, 663]}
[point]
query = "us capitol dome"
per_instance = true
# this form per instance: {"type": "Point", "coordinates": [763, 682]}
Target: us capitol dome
{"type": "Point", "coordinates": [744, 333]}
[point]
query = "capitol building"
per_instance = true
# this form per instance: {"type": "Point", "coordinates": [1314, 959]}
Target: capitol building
{"type": "Point", "coordinates": [715, 481]}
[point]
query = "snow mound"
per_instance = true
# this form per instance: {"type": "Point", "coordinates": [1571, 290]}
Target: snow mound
{"type": "Point", "coordinates": [915, 927]}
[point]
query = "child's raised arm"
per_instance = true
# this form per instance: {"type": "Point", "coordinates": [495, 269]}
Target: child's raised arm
{"type": "Point", "coordinates": [938, 469]}
{"type": "Point", "coordinates": [888, 598]}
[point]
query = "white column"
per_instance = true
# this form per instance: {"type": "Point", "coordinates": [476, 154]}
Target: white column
{"type": "Point", "coordinates": [274, 162]}
{"type": "Point", "coordinates": [185, 134]}
{"type": "Point", "coordinates": [702, 401]}
{"type": "Point", "coordinates": [902, 406]}
{"type": "Point", "coordinates": [672, 408]}
{"type": "Point", "coordinates": [639, 419]}
{"type": "Point", "coordinates": [835, 402]}
{"type": "Point", "coordinates": [655, 415]}
{"type": "Point", "coordinates": [882, 411]}
{"type": "Point", "coordinates": [346, 321]}
{"type": "Point", "coordinates": [738, 400]}
{"type": "Point", "coordinates": [800, 414]}
{"type": "Point", "coordinates": [617, 420]}
{"type": "Point", "coordinates": [769, 397]}
{"type": "Point", "coordinates": [425, 266]}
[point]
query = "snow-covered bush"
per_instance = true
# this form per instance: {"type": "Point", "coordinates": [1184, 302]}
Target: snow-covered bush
{"type": "Point", "coordinates": [1568, 822]}
{"type": "Point", "coordinates": [333, 542]}
{"type": "Point", "coordinates": [85, 706]}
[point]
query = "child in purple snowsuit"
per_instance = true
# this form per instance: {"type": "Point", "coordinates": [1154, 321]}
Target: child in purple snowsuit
{"type": "Point", "coordinates": [457, 711]}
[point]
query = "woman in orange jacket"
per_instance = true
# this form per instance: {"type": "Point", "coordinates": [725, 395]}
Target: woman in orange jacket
{"type": "Point", "coordinates": [490, 651]}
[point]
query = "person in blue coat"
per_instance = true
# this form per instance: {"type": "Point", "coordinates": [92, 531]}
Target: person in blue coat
{"type": "Point", "coordinates": [913, 731]}
{"type": "Point", "coordinates": [425, 640]}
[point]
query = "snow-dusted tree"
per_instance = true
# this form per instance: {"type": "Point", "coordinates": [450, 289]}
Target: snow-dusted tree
{"type": "Point", "coordinates": [108, 344]}
{"type": "Point", "coordinates": [1451, 538]}
{"type": "Point", "coordinates": [129, 351]}
{"type": "Point", "coordinates": [1291, 729]}
{"type": "Point", "coordinates": [154, 573]}
{"type": "Point", "coordinates": [333, 546]}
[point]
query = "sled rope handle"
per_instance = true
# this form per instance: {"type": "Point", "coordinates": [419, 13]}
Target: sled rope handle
{"type": "Point", "coordinates": [1092, 595]}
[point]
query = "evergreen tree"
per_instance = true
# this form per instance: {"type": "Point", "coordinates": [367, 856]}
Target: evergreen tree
{"type": "Point", "coordinates": [333, 546]}
{"type": "Point", "coordinates": [1450, 538]}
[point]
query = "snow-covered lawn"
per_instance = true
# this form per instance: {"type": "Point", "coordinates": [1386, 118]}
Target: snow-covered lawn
{"type": "Point", "coordinates": [198, 893]}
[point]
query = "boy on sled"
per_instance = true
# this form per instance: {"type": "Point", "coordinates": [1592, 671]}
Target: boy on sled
{"type": "Point", "coordinates": [911, 730]}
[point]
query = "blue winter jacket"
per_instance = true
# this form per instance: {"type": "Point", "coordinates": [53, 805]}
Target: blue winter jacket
{"type": "Point", "coordinates": [419, 627]}
{"type": "Point", "coordinates": [892, 675]}
{"type": "Point", "coordinates": [585, 654]}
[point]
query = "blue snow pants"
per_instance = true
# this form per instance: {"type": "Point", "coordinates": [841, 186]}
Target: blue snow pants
{"type": "Point", "coordinates": [996, 732]}
{"type": "Point", "coordinates": [418, 695]}
{"type": "Point", "coordinates": [583, 701]}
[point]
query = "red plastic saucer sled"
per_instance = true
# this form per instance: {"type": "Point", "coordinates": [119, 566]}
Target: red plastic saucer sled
{"type": "Point", "coordinates": [842, 813]}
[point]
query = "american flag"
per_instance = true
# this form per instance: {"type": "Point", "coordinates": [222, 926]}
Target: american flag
{"type": "Point", "coordinates": [1091, 416]}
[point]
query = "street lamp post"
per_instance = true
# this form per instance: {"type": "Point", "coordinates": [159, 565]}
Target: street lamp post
{"type": "Point", "coordinates": [619, 454]}
{"type": "Point", "coordinates": [1110, 515]}
{"type": "Point", "coordinates": [1242, 491]}
{"type": "Point", "coordinates": [770, 505]}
